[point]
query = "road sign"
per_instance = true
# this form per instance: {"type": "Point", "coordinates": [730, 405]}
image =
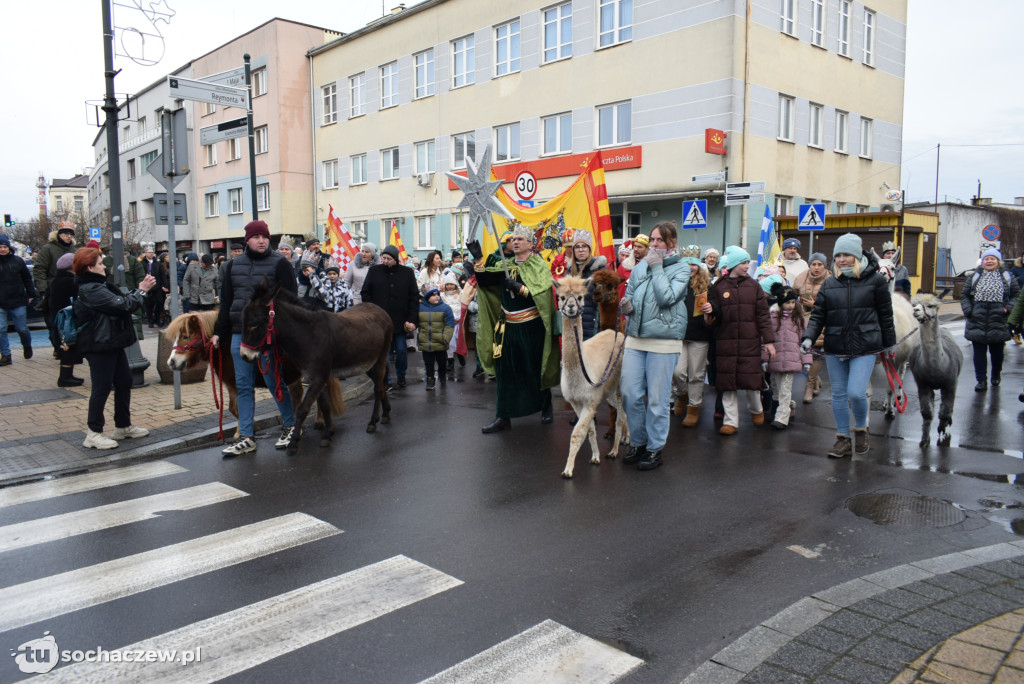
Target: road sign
{"type": "Point", "coordinates": [156, 170]}
{"type": "Point", "coordinates": [718, 177]}
{"type": "Point", "coordinates": [990, 232]}
{"type": "Point", "coordinates": [744, 188]}
{"type": "Point", "coordinates": [527, 203]}
{"type": "Point", "coordinates": [233, 77]}
{"type": "Point", "coordinates": [180, 208]}
{"type": "Point", "coordinates": [236, 128]}
{"type": "Point", "coordinates": [811, 217]}
{"type": "Point", "coordinates": [94, 234]}
{"type": "Point", "coordinates": [752, 198]}
{"type": "Point", "coordinates": [226, 96]}
{"type": "Point", "coordinates": [526, 185]}
{"type": "Point", "coordinates": [695, 214]}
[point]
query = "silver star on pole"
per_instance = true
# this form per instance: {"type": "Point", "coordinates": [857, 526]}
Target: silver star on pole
{"type": "Point", "coordinates": [479, 191]}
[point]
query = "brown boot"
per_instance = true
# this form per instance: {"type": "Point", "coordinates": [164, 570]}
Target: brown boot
{"type": "Point", "coordinates": [680, 408]}
{"type": "Point", "coordinates": [860, 441]}
{"type": "Point", "coordinates": [842, 448]}
{"type": "Point", "coordinates": [758, 418]}
{"type": "Point", "coordinates": [813, 383]}
{"type": "Point", "coordinates": [692, 416]}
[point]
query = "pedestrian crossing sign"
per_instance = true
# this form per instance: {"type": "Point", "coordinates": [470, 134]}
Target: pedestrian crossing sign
{"type": "Point", "coordinates": [811, 217]}
{"type": "Point", "coordinates": [695, 214]}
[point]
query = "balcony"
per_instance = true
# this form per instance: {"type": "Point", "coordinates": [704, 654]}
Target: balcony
{"type": "Point", "coordinates": [151, 133]}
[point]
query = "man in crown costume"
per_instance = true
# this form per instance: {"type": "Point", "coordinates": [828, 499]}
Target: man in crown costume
{"type": "Point", "coordinates": [516, 334]}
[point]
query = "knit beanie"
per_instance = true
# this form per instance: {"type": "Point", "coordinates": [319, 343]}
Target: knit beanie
{"type": "Point", "coordinates": [92, 244]}
{"type": "Point", "coordinates": [791, 242]}
{"type": "Point", "coordinates": [849, 244]}
{"type": "Point", "coordinates": [817, 256]}
{"type": "Point", "coordinates": [432, 291]}
{"type": "Point", "coordinates": [711, 250]}
{"type": "Point", "coordinates": [733, 257]}
{"type": "Point", "coordinates": [771, 281]}
{"type": "Point", "coordinates": [992, 252]}
{"type": "Point", "coordinates": [254, 228]}
{"type": "Point", "coordinates": [782, 294]}
{"type": "Point", "coordinates": [391, 251]}
{"type": "Point", "coordinates": [4, 240]}
{"type": "Point", "coordinates": [65, 261]}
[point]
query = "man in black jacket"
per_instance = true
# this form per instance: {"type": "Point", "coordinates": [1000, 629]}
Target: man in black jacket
{"type": "Point", "coordinates": [392, 287]}
{"type": "Point", "coordinates": [240, 276]}
{"type": "Point", "coordinates": [16, 290]}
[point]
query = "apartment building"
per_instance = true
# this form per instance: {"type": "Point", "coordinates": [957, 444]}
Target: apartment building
{"type": "Point", "coordinates": [69, 196]}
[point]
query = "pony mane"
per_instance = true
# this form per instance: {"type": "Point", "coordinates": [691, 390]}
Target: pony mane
{"type": "Point", "coordinates": [264, 288]}
{"type": "Point", "coordinates": [207, 319]}
{"type": "Point", "coordinates": [571, 286]}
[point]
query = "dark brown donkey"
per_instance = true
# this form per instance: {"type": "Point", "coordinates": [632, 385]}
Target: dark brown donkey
{"type": "Point", "coordinates": [322, 345]}
{"type": "Point", "coordinates": [606, 295]}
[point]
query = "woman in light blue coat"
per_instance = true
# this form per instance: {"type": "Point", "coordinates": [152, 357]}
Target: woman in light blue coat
{"type": "Point", "coordinates": [656, 306]}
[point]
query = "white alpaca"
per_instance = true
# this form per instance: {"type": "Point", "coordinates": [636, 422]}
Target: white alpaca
{"type": "Point", "coordinates": [600, 352]}
{"type": "Point", "coordinates": [905, 323]}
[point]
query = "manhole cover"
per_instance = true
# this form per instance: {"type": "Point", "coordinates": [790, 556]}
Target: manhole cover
{"type": "Point", "coordinates": [36, 397]}
{"type": "Point", "coordinates": [912, 510]}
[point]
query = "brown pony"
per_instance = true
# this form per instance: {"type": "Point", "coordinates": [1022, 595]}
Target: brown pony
{"type": "Point", "coordinates": [190, 334]}
{"type": "Point", "coordinates": [606, 295]}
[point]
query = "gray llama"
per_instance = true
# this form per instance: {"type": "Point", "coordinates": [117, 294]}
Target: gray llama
{"type": "Point", "coordinates": [936, 365]}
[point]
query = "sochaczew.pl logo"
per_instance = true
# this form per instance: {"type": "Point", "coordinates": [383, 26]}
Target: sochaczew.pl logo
{"type": "Point", "coordinates": [39, 656]}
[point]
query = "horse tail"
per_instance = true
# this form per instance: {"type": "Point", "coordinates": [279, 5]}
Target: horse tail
{"type": "Point", "coordinates": [337, 400]}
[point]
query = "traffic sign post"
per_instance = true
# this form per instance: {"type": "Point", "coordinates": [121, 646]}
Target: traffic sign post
{"type": "Point", "coordinates": [811, 217]}
{"type": "Point", "coordinates": [94, 234]}
{"type": "Point", "coordinates": [526, 185]}
{"type": "Point", "coordinates": [163, 213]}
{"type": "Point", "coordinates": [695, 214]}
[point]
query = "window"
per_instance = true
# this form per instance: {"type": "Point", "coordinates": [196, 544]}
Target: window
{"type": "Point", "coordinates": [142, 125]}
{"type": "Point", "coordinates": [783, 206]}
{"type": "Point", "coordinates": [463, 146]}
{"type": "Point", "coordinates": [844, 28]}
{"type": "Point", "coordinates": [424, 232]}
{"type": "Point", "coordinates": [234, 149]}
{"type": "Point", "coordinates": [207, 108]}
{"type": "Point", "coordinates": [389, 85]}
{"type": "Point", "coordinates": [423, 64]}
{"type": "Point", "coordinates": [458, 227]}
{"type": "Point", "coordinates": [506, 48]}
{"type": "Point", "coordinates": [816, 129]}
{"type": "Point", "coordinates": [148, 158]}
{"type": "Point", "coordinates": [389, 164]}
{"type": "Point", "coordinates": [133, 210]}
{"type": "Point", "coordinates": [259, 82]}
{"type": "Point", "coordinates": [131, 169]}
{"type": "Point", "coordinates": [866, 126]}
{"type": "Point", "coordinates": [330, 174]}
{"type": "Point", "coordinates": [786, 107]}
{"type": "Point", "coordinates": [616, 18]}
{"type": "Point", "coordinates": [210, 154]}
{"type": "Point", "coordinates": [235, 200]}
{"type": "Point", "coordinates": [79, 203]}
{"type": "Point", "coordinates": [329, 97]}
{"type": "Point", "coordinates": [463, 62]}
{"type": "Point", "coordinates": [842, 132]}
{"type": "Point", "coordinates": [557, 133]}
{"type": "Point", "coordinates": [869, 37]}
{"type": "Point", "coordinates": [506, 146]}
{"type": "Point", "coordinates": [557, 32]}
{"type": "Point", "coordinates": [425, 157]}
{"type": "Point", "coordinates": [212, 205]}
{"type": "Point", "coordinates": [263, 197]}
{"type": "Point", "coordinates": [357, 95]}
{"type": "Point", "coordinates": [359, 230]}
{"type": "Point", "coordinates": [614, 125]}
{"type": "Point", "coordinates": [60, 204]}
{"type": "Point", "coordinates": [358, 175]}
{"type": "Point", "coordinates": [862, 208]}
{"type": "Point", "coordinates": [262, 140]}
{"type": "Point", "coordinates": [818, 23]}
{"type": "Point", "coordinates": [787, 20]}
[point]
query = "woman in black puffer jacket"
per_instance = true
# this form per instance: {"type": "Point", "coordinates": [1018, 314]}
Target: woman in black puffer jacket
{"type": "Point", "coordinates": [583, 265]}
{"type": "Point", "coordinates": [989, 294]}
{"type": "Point", "coordinates": [855, 311]}
{"type": "Point", "coordinates": [104, 318]}
{"type": "Point", "coordinates": [62, 290]}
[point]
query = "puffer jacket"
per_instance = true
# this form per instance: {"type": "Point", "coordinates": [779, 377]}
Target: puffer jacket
{"type": "Point", "coordinates": [436, 327]}
{"type": "Point", "coordinates": [44, 268]}
{"type": "Point", "coordinates": [658, 295]}
{"type": "Point", "coordinates": [240, 276]}
{"type": "Point", "coordinates": [591, 320]}
{"type": "Point", "coordinates": [16, 287]}
{"type": "Point", "coordinates": [740, 316]}
{"type": "Point", "coordinates": [104, 315]}
{"type": "Point", "coordinates": [987, 322]}
{"type": "Point", "coordinates": [854, 313]}
{"type": "Point", "coordinates": [788, 357]}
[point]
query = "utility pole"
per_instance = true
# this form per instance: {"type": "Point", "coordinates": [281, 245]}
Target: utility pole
{"type": "Point", "coordinates": [252, 138]}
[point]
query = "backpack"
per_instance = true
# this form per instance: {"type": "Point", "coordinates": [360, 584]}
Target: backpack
{"type": "Point", "coordinates": [67, 327]}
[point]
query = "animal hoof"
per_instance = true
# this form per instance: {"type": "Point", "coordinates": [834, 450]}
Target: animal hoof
{"type": "Point", "coordinates": [371, 428]}
{"type": "Point", "coordinates": [324, 443]}
{"type": "Point", "coordinates": [386, 419]}
{"type": "Point", "coordinates": [609, 436]}
{"type": "Point", "coordinates": [924, 443]}
{"type": "Point", "coordinates": [318, 424]}
{"type": "Point", "coordinates": [596, 460]}
{"type": "Point", "coordinates": [566, 475]}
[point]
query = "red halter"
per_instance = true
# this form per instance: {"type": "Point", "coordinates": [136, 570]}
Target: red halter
{"type": "Point", "coordinates": [269, 344]}
{"type": "Point", "coordinates": [217, 372]}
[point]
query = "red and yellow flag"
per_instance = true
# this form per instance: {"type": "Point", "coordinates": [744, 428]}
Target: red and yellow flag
{"type": "Point", "coordinates": [396, 240]}
{"type": "Point", "coordinates": [338, 242]}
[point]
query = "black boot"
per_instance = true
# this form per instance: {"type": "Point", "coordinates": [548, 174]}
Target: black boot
{"type": "Point", "coordinates": [650, 461]}
{"type": "Point", "coordinates": [67, 379]}
{"type": "Point", "coordinates": [430, 383]}
{"type": "Point", "coordinates": [547, 414]}
{"type": "Point", "coordinates": [498, 425]}
{"type": "Point", "coordinates": [451, 366]}
{"type": "Point", "coordinates": [635, 454]}
{"type": "Point", "coordinates": [26, 346]}
{"type": "Point", "coordinates": [5, 360]}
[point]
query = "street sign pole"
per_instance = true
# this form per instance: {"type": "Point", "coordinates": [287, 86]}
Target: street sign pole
{"type": "Point", "coordinates": [252, 139]}
{"type": "Point", "coordinates": [725, 215]}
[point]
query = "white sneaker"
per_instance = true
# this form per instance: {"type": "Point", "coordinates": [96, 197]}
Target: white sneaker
{"type": "Point", "coordinates": [243, 446]}
{"type": "Point", "coordinates": [130, 432]}
{"type": "Point", "coordinates": [97, 440]}
{"type": "Point", "coordinates": [285, 438]}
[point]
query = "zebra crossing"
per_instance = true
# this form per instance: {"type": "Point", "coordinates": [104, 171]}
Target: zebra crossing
{"type": "Point", "coordinates": [253, 634]}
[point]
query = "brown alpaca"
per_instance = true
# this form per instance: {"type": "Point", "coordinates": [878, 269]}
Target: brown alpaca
{"type": "Point", "coordinates": [606, 295]}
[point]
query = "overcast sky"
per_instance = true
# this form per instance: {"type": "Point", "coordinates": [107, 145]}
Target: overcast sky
{"type": "Point", "coordinates": [963, 67]}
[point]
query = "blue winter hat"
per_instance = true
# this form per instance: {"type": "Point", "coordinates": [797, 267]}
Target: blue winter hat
{"type": "Point", "coordinates": [849, 244]}
{"type": "Point", "coordinates": [791, 242]}
{"type": "Point", "coordinates": [818, 256]}
{"type": "Point", "coordinates": [992, 252]}
{"type": "Point", "coordinates": [4, 240]}
{"type": "Point", "coordinates": [431, 292]}
{"type": "Point", "coordinates": [733, 257]}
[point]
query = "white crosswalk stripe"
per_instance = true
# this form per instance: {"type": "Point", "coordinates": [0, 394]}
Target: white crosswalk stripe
{"type": "Point", "coordinates": [37, 491]}
{"type": "Point", "coordinates": [20, 535]}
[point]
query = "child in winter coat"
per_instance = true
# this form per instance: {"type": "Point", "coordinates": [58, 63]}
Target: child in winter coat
{"type": "Point", "coordinates": [436, 328]}
{"type": "Point", "coordinates": [787, 319]}
{"type": "Point", "coordinates": [333, 294]}
{"type": "Point", "coordinates": [451, 295]}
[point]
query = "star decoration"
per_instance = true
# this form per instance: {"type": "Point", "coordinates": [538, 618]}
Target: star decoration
{"type": "Point", "coordinates": [160, 11]}
{"type": "Point", "coordinates": [478, 195]}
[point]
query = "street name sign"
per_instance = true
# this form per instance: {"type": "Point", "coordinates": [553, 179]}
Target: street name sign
{"type": "Point", "coordinates": [744, 188]}
{"type": "Point", "coordinates": [695, 214]}
{"type": "Point", "coordinates": [750, 198]}
{"type": "Point", "coordinates": [226, 96]}
{"type": "Point", "coordinates": [717, 177]}
{"type": "Point", "coordinates": [236, 128]}
{"type": "Point", "coordinates": [811, 217]}
{"type": "Point", "coordinates": [233, 77]}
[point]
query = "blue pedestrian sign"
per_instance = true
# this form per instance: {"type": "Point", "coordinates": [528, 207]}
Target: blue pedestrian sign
{"type": "Point", "coordinates": [527, 203]}
{"type": "Point", "coordinates": [94, 234]}
{"type": "Point", "coordinates": [811, 217]}
{"type": "Point", "coordinates": [695, 214]}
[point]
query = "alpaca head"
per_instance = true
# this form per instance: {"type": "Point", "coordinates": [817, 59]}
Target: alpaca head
{"type": "Point", "coordinates": [606, 287]}
{"type": "Point", "coordinates": [571, 291]}
{"type": "Point", "coordinates": [926, 306]}
{"type": "Point", "coordinates": [885, 266]}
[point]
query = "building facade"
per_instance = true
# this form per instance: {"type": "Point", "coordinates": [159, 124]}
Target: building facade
{"type": "Point", "coordinates": [967, 230]}
{"type": "Point", "coordinates": [69, 197]}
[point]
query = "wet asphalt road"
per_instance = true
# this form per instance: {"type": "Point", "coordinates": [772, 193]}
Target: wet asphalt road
{"type": "Point", "coordinates": [669, 565]}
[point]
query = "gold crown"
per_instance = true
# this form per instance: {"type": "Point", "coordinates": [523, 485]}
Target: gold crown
{"type": "Point", "coordinates": [522, 230]}
{"type": "Point", "coordinates": [691, 251]}
{"type": "Point", "coordinates": [889, 246]}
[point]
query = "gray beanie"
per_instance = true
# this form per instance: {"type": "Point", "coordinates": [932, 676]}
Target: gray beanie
{"type": "Point", "coordinates": [65, 261]}
{"type": "Point", "coordinates": [817, 256]}
{"type": "Point", "coordinates": [849, 244]}
{"type": "Point", "coordinates": [370, 246]}
{"type": "Point", "coordinates": [391, 251]}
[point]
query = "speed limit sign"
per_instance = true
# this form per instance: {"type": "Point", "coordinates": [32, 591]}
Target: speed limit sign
{"type": "Point", "coordinates": [526, 185]}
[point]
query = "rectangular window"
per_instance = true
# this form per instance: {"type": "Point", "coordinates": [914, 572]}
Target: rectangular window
{"type": "Point", "coordinates": [330, 174]}
{"type": "Point", "coordinates": [259, 82]}
{"type": "Point", "coordinates": [425, 157]}
{"type": "Point", "coordinates": [133, 210]}
{"type": "Point", "coordinates": [818, 23]}
{"type": "Point", "coordinates": [506, 48]}
{"type": "Point", "coordinates": [131, 169]}
{"type": "Point", "coordinates": [463, 62]}
{"type": "Point", "coordinates": [234, 149]}
{"type": "Point", "coordinates": [616, 17]}
{"type": "Point", "coordinates": [458, 227]}
{"type": "Point", "coordinates": [142, 125]}
{"type": "Point", "coordinates": [557, 32]}
{"type": "Point", "coordinates": [147, 159]}
{"type": "Point", "coordinates": [262, 140]}
{"type": "Point", "coordinates": [263, 197]}
{"type": "Point", "coordinates": [207, 108]}
{"type": "Point", "coordinates": [423, 63]}
{"type": "Point", "coordinates": [869, 37]}
{"type": "Point", "coordinates": [786, 114]}
{"type": "Point", "coordinates": [557, 133]}
{"type": "Point", "coordinates": [79, 203]}
{"type": "Point", "coordinates": [463, 146]}
{"type": "Point", "coordinates": [506, 147]}
{"type": "Point", "coordinates": [614, 126]}
{"type": "Point", "coordinates": [389, 85]}
{"type": "Point", "coordinates": [329, 97]}
{"type": "Point", "coordinates": [843, 46]}
{"type": "Point", "coordinates": [358, 175]}
{"type": "Point", "coordinates": [235, 200]}
{"type": "Point", "coordinates": [210, 154]}
{"type": "Point", "coordinates": [389, 164]}
{"type": "Point", "coordinates": [357, 95]}
{"type": "Point", "coordinates": [866, 134]}
{"type": "Point", "coordinates": [816, 127]}
{"type": "Point", "coordinates": [59, 205]}
{"type": "Point", "coordinates": [212, 205]}
{"type": "Point", "coordinates": [424, 232]}
{"type": "Point", "coordinates": [783, 206]}
{"type": "Point", "coordinates": [842, 132]}
{"type": "Point", "coordinates": [787, 16]}
{"type": "Point", "coordinates": [359, 230]}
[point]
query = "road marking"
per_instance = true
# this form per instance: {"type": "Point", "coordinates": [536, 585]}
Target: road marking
{"type": "Point", "coordinates": [252, 635]}
{"type": "Point", "coordinates": [546, 653]}
{"type": "Point", "coordinates": [37, 491]}
{"type": "Point", "coordinates": [20, 535]}
{"type": "Point", "coordinates": [76, 589]}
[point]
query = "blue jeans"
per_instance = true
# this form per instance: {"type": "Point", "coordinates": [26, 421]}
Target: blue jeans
{"type": "Point", "coordinates": [398, 356]}
{"type": "Point", "coordinates": [849, 378]}
{"type": "Point", "coordinates": [245, 382]}
{"type": "Point", "coordinates": [17, 315]}
{"type": "Point", "coordinates": [650, 374]}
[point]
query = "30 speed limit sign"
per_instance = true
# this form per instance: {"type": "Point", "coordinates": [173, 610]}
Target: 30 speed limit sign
{"type": "Point", "coordinates": [526, 185]}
